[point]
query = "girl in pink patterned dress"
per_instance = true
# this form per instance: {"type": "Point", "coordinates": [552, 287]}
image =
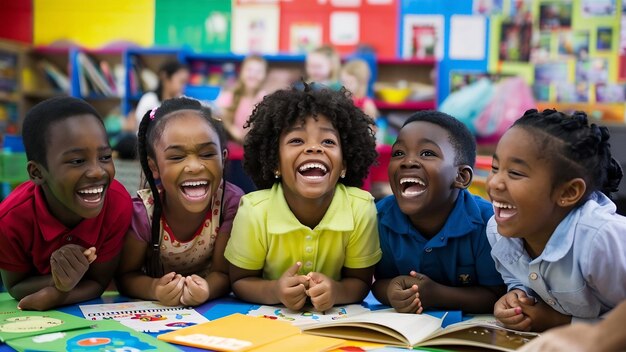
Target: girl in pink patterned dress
{"type": "Point", "coordinates": [174, 250]}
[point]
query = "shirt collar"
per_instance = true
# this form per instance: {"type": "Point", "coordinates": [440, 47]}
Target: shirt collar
{"type": "Point", "coordinates": [462, 220]}
{"type": "Point", "coordinates": [281, 220]}
{"type": "Point", "coordinates": [51, 228]}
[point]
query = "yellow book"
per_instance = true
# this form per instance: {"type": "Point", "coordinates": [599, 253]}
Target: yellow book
{"type": "Point", "coordinates": [239, 332]}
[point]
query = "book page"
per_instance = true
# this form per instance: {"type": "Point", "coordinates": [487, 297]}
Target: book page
{"type": "Point", "coordinates": [308, 315]}
{"type": "Point", "coordinates": [144, 316]}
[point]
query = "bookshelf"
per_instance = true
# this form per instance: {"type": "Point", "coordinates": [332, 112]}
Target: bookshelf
{"type": "Point", "coordinates": [11, 102]}
{"type": "Point", "coordinates": [97, 76]}
{"type": "Point", "coordinates": [140, 59]}
{"type": "Point", "coordinates": [45, 74]}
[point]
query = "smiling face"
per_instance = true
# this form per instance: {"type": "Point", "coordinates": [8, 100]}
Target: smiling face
{"type": "Point", "coordinates": [310, 160]}
{"type": "Point", "coordinates": [520, 187]}
{"type": "Point", "coordinates": [80, 169]}
{"type": "Point", "coordinates": [422, 172]}
{"type": "Point", "coordinates": [188, 161]}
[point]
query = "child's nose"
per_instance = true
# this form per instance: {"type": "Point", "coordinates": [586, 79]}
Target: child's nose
{"type": "Point", "coordinates": [411, 163]}
{"type": "Point", "coordinates": [96, 171]}
{"type": "Point", "coordinates": [494, 182]}
{"type": "Point", "coordinates": [194, 165]}
{"type": "Point", "coordinates": [314, 148]}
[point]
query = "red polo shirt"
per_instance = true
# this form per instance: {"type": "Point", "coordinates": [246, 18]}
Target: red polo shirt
{"type": "Point", "coordinates": [29, 233]}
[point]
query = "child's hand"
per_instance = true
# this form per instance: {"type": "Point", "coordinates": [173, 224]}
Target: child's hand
{"type": "Point", "coordinates": [321, 291]}
{"type": "Point", "coordinates": [68, 265]}
{"type": "Point", "coordinates": [44, 299]}
{"type": "Point", "coordinates": [403, 295]}
{"type": "Point", "coordinates": [169, 289]}
{"type": "Point", "coordinates": [195, 291]}
{"type": "Point", "coordinates": [542, 316]}
{"type": "Point", "coordinates": [508, 310]}
{"type": "Point", "coordinates": [292, 288]}
{"type": "Point", "coordinates": [90, 254]}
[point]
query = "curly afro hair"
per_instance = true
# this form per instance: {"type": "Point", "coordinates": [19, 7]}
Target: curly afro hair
{"type": "Point", "coordinates": [284, 108]}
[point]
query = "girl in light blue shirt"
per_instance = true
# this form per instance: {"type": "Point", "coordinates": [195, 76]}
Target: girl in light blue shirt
{"type": "Point", "coordinates": [555, 236]}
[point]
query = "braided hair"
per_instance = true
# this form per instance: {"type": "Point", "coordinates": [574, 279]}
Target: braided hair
{"type": "Point", "coordinates": [580, 149]}
{"type": "Point", "coordinates": [150, 131]}
{"type": "Point", "coordinates": [283, 108]}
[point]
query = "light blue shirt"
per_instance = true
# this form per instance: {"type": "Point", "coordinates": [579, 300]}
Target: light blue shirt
{"type": "Point", "coordinates": [581, 271]}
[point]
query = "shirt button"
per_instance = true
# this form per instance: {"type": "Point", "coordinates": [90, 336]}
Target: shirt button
{"type": "Point", "coordinates": [308, 237]}
{"type": "Point", "coordinates": [308, 264]}
{"type": "Point", "coordinates": [551, 302]}
{"type": "Point", "coordinates": [309, 249]}
{"type": "Point", "coordinates": [533, 276]}
{"type": "Point", "coordinates": [428, 250]}
{"type": "Point", "coordinates": [68, 238]}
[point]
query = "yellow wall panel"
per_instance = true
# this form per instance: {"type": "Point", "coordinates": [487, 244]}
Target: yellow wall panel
{"type": "Point", "coordinates": [93, 23]}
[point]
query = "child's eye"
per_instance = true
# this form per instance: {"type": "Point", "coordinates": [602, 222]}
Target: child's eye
{"type": "Point", "coordinates": [295, 141]}
{"type": "Point", "coordinates": [208, 155]}
{"type": "Point", "coordinates": [494, 169]}
{"type": "Point", "coordinates": [329, 141]}
{"type": "Point", "coordinates": [515, 174]}
{"type": "Point", "coordinates": [106, 158]}
{"type": "Point", "coordinates": [397, 153]}
{"type": "Point", "coordinates": [175, 157]}
{"type": "Point", "coordinates": [76, 161]}
{"type": "Point", "coordinates": [427, 153]}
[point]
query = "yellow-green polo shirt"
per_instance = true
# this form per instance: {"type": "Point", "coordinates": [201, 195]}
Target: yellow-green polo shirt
{"type": "Point", "coordinates": [267, 235]}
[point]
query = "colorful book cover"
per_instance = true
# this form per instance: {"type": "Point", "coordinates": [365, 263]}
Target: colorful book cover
{"type": "Point", "coordinates": [144, 316]}
{"type": "Point", "coordinates": [15, 323]}
{"type": "Point", "coordinates": [104, 335]}
{"type": "Point", "coordinates": [238, 332]}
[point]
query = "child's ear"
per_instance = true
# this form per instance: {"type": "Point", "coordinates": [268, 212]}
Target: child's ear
{"type": "Point", "coordinates": [224, 157]}
{"type": "Point", "coordinates": [153, 167]}
{"type": "Point", "coordinates": [464, 177]}
{"type": "Point", "coordinates": [35, 172]}
{"type": "Point", "coordinates": [571, 192]}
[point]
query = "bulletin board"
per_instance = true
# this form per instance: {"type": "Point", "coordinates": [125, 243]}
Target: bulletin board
{"type": "Point", "coordinates": [203, 25]}
{"type": "Point", "coordinates": [342, 23]}
{"type": "Point", "coordinates": [93, 24]}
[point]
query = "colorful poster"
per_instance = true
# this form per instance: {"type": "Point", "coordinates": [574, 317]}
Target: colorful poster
{"type": "Point", "coordinates": [255, 29]}
{"type": "Point", "coordinates": [105, 335]}
{"type": "Point", "coordinates": [418, 45]}
{"type": "Point", "coordinates": [344, 28]}
{"type": "Point", "coordinates": [305, 36]}
{"type": "Point", "coordinates": [144, 316]}
{"type": "Point", "coordinates": [203, 25]}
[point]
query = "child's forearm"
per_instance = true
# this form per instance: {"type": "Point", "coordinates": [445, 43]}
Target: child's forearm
{"type": "Point", "coordinates": [379, 289]}
{"type": "Point", "coordinates": [29, 286]}
{"type": "Point", "coordinates": [350, 290]}
{"type": "Point", "coordinates": [611, 332]}
{"type": "Point", "coordinates": [138, 285]}
{"type": "Point", "coordinates": [219, 284]}
{"type": "Point", "coordinates": [257, 290]}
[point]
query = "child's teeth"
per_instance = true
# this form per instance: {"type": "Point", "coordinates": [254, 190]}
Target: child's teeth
{"type": "Point", "coordinates": [92, 190]}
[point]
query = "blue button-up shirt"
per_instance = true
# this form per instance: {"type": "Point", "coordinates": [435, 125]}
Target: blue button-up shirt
{"type": "Point", "coordinates": [581, 271]}
{"type": "Point", "coordinates": [459, 255]}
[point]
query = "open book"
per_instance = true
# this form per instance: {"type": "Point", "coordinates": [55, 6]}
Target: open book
{"type": "Point", "coordinates": [397, 329]}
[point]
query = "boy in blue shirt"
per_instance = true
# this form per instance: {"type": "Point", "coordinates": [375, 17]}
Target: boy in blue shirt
{"type": "Point", "coordinates": [432, 230]}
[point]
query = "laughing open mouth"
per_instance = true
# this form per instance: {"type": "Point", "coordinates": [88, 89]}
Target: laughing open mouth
{"type": "Point", "coordinates": [91, 195]}
{"type": "Point", "coordinates": [195, 189]}
{"type": "Point", "coordinates": [313, 170]}
{"type": "Point", "coordinates": [412, 186]}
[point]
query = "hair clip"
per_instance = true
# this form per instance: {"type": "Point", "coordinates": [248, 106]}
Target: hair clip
{"type": "Point", "coordinates": [152, 113]}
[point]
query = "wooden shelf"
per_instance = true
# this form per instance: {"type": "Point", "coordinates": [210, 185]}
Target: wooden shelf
{"type": "Point", "coordinates": [408, 105]}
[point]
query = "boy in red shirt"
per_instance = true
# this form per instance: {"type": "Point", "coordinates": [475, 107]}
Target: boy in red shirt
{"type": "Point", "coordinates": [61, 232]}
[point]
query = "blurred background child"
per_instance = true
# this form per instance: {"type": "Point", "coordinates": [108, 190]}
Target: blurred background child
{"type": "Point", "coordinates": [322, 66]}
{"type": "Point", "coordinates": [308, 234]}
{"type": "Point", "coordinates": [355, 76]}
{"type": "Point", "coordinates": [173, 77]}
{"type": "Point", "coordinates": [174, 250]}
{"type": "Point", "coordinates": [237, 104]}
